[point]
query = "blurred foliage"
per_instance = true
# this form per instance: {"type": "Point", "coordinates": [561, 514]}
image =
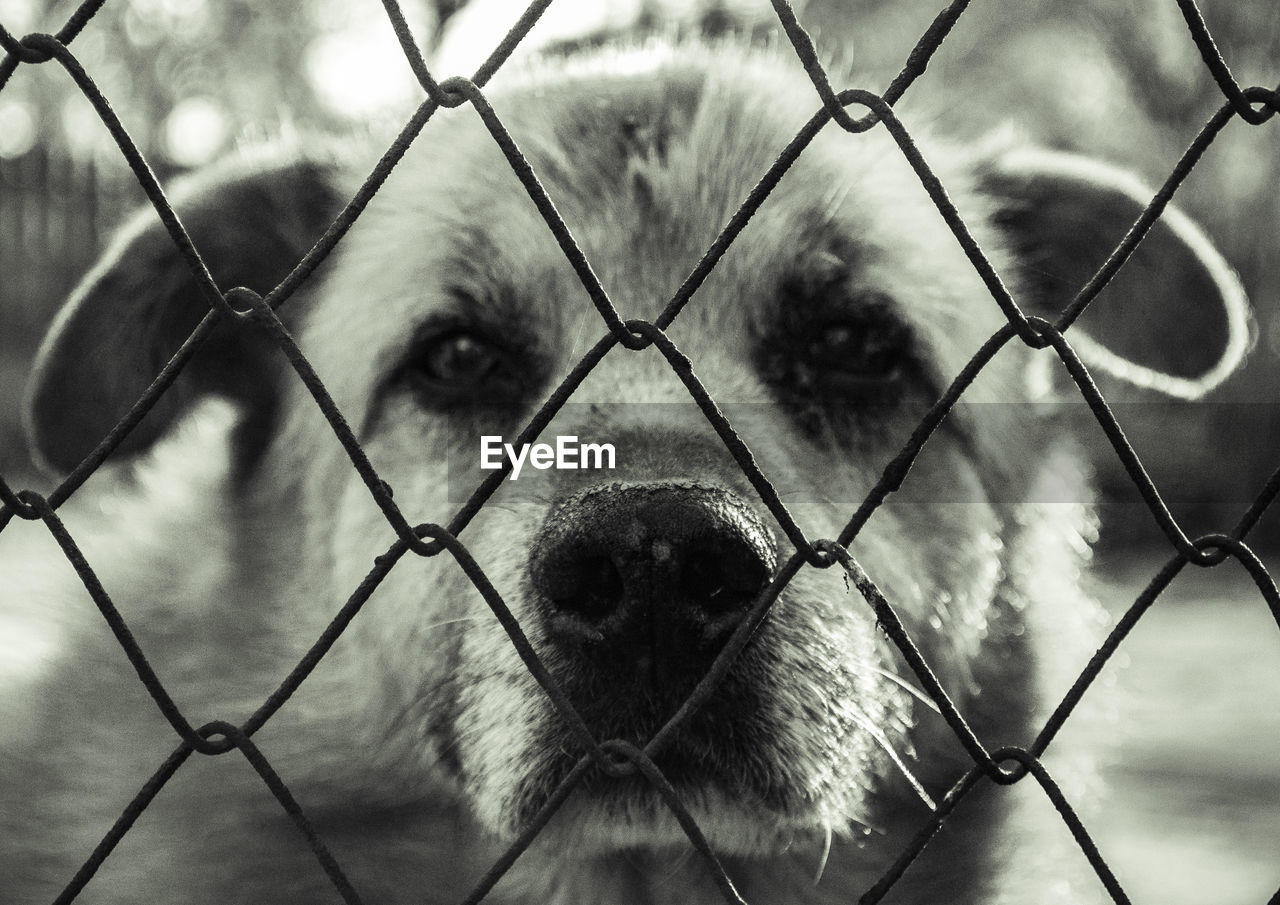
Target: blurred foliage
{"type": "Point", "coordinates": [189, 77]}
{"type": "Point", "coordinates": [1092, 73]}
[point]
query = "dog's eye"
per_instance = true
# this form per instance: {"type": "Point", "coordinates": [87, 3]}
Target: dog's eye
{"type": "Point", "coordinates": [859, 354]}
{"type": "Point", "coordinates": [465, 367]}
{"type": "Point", "coordinates": [458, 358]}
{"type": "Point", "coordinates": [839, 359]}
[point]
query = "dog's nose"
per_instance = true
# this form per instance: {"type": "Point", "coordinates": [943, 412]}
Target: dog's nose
{"type": "Point", "coordinates": [657, 571]}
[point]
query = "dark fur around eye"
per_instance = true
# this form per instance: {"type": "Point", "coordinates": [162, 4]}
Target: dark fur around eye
{"type": "Point", "coordinates": [454, 365]}
{"type": "Point", "coordinates": [836, 357]}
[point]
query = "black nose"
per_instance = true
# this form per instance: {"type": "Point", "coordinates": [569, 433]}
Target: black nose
{"type": "Point", "coordinates": [657, 573]}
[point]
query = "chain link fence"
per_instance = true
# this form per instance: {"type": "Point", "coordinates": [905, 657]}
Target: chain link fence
{"type": "Point", "coordinates": [1251, 106]}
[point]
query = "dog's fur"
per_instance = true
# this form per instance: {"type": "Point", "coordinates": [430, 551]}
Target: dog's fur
{"type": "Point", "coordinates": [420, 744]}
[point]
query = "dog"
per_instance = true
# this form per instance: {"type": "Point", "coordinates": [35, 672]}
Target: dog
{"type": "Point", "coordinates": [233, 526]}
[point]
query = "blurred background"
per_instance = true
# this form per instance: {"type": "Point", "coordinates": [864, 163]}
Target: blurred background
{"type": "Point", "coordinates": [193, 78]}
{"type": "Point", "coordinates": [1196, 807]}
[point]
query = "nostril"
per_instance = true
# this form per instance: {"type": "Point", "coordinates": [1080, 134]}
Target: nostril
{"type": "Point", "coordinates": [703, 578]}
{"type": "Point", "coordinates": [718, 582]}
{"type": "Point", "coordinates": [630, 563]}
{"type": "Point", "coordinates": [590, 586]}
{"type": "Point", "coordinates": [601, 578]}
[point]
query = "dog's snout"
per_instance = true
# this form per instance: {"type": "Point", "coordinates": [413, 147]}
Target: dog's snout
{"type": "Point", "coordinates": [658, 568]}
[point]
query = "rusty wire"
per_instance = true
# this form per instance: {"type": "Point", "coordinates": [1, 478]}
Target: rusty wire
{"type": "Point", "coordinates": [1253, 105]}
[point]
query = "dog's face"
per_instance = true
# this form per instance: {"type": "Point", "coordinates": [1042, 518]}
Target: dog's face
{"type": "Point", "coordinates": [827, 330]}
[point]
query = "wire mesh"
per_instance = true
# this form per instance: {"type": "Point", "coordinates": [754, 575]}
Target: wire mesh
{"type": "Point", "coordinates": [1252, 105]}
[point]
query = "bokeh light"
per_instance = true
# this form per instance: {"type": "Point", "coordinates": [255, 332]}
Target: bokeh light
{"type": "Point", "coordinates": [476, 29]}
{"type": "Point", "coordinates": [17, 15]}
{"type": "Point", "coordinates": [196, 131]}
{"type": "Point", "coordinates": [149, 22]}
{"type": "Point", "coordinates": [18, 130]}
{"type": "Point", "coordinates": [83, 131]}
{"type": "Point", "coordinates": [360, 71]}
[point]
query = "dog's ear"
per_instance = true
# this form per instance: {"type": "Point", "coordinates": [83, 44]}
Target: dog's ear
{"type": "Point", "coordinates": [1174, 318]}
{"type": "Point", "coordinates": [251, 219]}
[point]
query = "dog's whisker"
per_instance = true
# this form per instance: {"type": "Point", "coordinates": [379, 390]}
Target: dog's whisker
{"type": "Point", "coordinates": [882, 740]}
{"type": "Point", "coordinates": [674, 865]}
{"type": "Point", "coordinates": [824, 856]}
{"type": "Point", "coordinates": [475, 617]}
{"type": "Point", "coordinates": [577, 338]}
{"type": "Point", "coordinates": [917, 693]}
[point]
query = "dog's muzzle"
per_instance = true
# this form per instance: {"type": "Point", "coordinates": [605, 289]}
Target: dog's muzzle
{"type": "Point", "coordinates": [650, 576]}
